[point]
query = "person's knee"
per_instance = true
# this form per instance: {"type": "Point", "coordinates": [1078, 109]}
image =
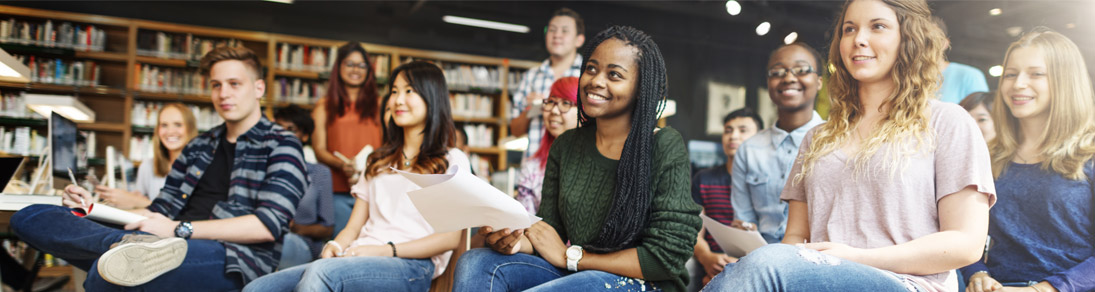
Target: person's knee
{"type": "Point", "coordinates": [24, 220]}
{"type": "Point", "coordinates": [772, 255]}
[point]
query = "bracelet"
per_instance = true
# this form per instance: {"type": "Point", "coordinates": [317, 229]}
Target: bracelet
{"type": "Point", "coordinates": [395, 255]}
{"type": "Point", "coordinates": [335, 243]}
{"type": "Point", "coordinates": [1036, 287]}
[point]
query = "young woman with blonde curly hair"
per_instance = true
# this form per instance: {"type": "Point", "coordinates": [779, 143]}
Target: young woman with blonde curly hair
{"type": "Point", "coordinates": [891, 194]}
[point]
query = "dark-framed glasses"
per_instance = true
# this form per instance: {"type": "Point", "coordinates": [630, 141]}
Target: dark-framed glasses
{"type": "Point", "coordinates": [796, 70]}
{"type": "Point", "coordinates": [551, 103]}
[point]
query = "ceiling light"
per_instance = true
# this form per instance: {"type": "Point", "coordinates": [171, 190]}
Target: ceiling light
{"type": "Point", "coordinates": [1070, 25]}
{"type": "Point", "coordinates": [790, 38]}
{"type": "Point", "coordinates": [64, 105]}
{"type": "Point", "coordinates": [763, 28]}
{"type": "Point", "coordinates": [11, 70]}
{"type": "Point", "coordinates": [995, 71]}
{"type": "Point", "coordinates": [485, 23]}
{"type": "Point", "coordinates": [995, 11]}
{"type": "Point", "coordinates": [1014, 31]}
{"type": "Point", "coordinates": [733, 7]}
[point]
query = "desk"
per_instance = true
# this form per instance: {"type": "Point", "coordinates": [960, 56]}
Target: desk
{"type": "Point", "coordinates": [9, 204]}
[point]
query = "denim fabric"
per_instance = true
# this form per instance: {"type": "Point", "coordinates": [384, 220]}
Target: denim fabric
{"type": "Point", "coordinates": [761, 167]}
{"type": "Point", "coordinates": [781, 267]}
{"type": "Point", "coordinates": [294, 251]}
{"type": "Point", "coordinates": [344, 205]}
{"type": "Point", "coordinates": [484, 270]}
{"type": "Point", "coordinates": [54, 230]}
{"type": "Point", "coordinates": [350, 274]}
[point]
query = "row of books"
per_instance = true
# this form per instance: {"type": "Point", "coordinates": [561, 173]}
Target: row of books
{"type": "Point", "coordinates": [140, 147]}
{"type": "Point", "coordinates": [14, 105]}
{"type": "Point", "coordinates": [299, 91]}
{"type": "Point", "coordinates": [479, 135]}
{"type": "Point", "coordinates": [514, 79]}
{"type": "Point", "coordinates": [170, 80]}
{"type": "Point", "coordinates": [146, 114]}
{"type": "Point", "coordinates": [472, 77]}
{"type": "Point", "coordinates": [178, 46]}
{"type": "Point", "coordinates": [480, 166]}
{"type": "Point", "coordinates": [472, 105]}
{"type": "Point", "coordinates": [66, 35]}
{"type": "Point", "coordinates": [58, 71]}
{"type": "Point", "coordinates": [21, 141]}
{"type": "Point", "coordinates": [306, 58]}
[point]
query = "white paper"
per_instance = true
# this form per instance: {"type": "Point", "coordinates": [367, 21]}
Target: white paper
{"type": "Point", "coordinates": [458, 200]}
{"type": "Point", "coordinates": [362, 158]}
{"type": "Point", "coordinates": [734, 242]}
{"type": "Point", "coordinates": [108, 214]}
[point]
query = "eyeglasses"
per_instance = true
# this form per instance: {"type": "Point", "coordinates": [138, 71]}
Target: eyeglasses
{"type": "Point", "coordinates": [797, 71]}
{"type": "Point", "coordinates": [564, 105]}
{"type": "Point", "coordinates": [352, 65]}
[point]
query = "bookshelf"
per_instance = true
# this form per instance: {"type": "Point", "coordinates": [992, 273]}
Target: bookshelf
{"type": "Point", "coordinates": [131, 66]}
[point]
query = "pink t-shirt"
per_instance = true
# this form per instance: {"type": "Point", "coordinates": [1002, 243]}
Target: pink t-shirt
{"type": "Point", "coordinates": [871, 209]}
{"type": "Point", "coordinates": [392, 216]}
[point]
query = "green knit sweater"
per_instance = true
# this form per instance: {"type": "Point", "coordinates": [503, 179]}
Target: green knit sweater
{"type": "Point", "coordinates": [578, 190]}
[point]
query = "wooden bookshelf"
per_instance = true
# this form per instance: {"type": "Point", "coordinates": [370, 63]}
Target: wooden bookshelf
{"type": "Point", "coordinates": [114, 99]}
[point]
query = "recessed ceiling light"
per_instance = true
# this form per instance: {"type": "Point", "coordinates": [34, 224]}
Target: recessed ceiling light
{"type": "Point", "coordinates": [790, 38]}
{"type": "Point", "coordinates": [1070, 25]}
{"type": "Point", "coordinates": [995, 11]}
{"type": "Point", "coordinates": [996, 71]}
{"type": "Point", "coordinates": [733, 7]}
{"type": "Point", "coordinates": [1014, 31]}
{"type": "Point", "coordinates": [485, 23]}
{"type": "Point", "coordinates": [763, 28]}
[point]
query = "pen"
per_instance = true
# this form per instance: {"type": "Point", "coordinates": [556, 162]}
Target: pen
{"type": "Point", "coordinates": [73, 178]}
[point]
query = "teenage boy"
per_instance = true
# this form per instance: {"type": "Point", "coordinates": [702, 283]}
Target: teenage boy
{"type": "Point", "coordinates": [763, 162]}
{"type": "Point", "coordinates": [564, 34]}
{"type": "Point", "coordinates": [217, 224]}
{"type": "Point", "coordinates": [315, 219]}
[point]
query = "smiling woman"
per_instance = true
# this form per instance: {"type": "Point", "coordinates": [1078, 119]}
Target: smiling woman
{"type": "Point", "coordinates": [175, 127]}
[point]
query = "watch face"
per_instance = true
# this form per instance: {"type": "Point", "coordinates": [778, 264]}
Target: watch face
{"type": "Point", "coordinates": [574, 252]}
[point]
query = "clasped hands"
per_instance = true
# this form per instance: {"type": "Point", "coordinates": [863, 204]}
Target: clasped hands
{"type": "Point", "coordinates": [543, 238]}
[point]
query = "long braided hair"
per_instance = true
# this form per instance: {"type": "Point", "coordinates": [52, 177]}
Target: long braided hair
{"type": "Point", "coordinates": [630, 208]}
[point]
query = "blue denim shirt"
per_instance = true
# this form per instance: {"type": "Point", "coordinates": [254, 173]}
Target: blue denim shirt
{"type": "Point", "coordinates": [761, 167]}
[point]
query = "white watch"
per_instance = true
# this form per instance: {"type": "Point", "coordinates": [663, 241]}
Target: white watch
{"type": "Point", "coordinates": [574, 254]}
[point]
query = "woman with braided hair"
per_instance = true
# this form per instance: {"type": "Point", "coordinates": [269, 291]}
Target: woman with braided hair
{"type": "Point", "coordinates": [616, 189]}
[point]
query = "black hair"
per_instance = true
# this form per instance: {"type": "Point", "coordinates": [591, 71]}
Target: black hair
{"type": "Point", "coordinates": [630, 208]}
{"type": "Point", "coordinates": [579, 24]}
{"type": "Point", "coordinates": [429, 82]}
{"type": "Point", "coordinates": [745, 112]}
{"type": "Point", "coordinates": [822, 67]}
{"type": "Point", "coordinates": [298, 116]}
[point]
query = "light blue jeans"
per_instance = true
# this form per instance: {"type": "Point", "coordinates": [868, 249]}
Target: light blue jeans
{"type": "Point", "coordinates": [350, 274]}
{"type": "Point", "coordinates": [294, 251]}
{"type": "Point", "coordinates": [344, 205]}
{"type": "Point", "coordinates": [782, 267]}
{"type": "Point", "coordinates": [484, 270]}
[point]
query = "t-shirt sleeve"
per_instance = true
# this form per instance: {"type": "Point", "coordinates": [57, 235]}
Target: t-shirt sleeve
{"type": "Point", "coordinates": [795, 188]}
{"type": "Point", "coordinates": [360, 190]}
{"type": "Point", "coordinates": [144, 183]}
{"type": "Point", "coordinates": [961, 154]}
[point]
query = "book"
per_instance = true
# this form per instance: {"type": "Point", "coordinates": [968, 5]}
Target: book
{"type": "Point", "coordinates": [107, 214]}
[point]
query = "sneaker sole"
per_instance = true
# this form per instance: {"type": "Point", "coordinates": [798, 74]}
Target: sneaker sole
{"type": "Point", "coordinates": [133, 264]}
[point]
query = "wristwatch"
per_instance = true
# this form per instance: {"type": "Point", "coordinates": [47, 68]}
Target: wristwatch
{"type": "Point", "coordinates": [574, 254]}
{"type": "Point", "coordinates": [184, 230]}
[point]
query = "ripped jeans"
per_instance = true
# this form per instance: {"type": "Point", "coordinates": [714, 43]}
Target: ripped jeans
{"type": "Point", "coordinates": [782, 267]}
{"type": "Point", "coordinates": [485, 270]}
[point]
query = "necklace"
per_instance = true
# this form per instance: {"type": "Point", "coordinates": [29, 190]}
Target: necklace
{"type": "Point", "coordinates": [406, 160]}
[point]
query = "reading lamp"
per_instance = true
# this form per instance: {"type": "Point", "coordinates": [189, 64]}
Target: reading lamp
{"type": "Point", "coordinates": [11, 70]}
{"type": "Point", "coordinates": [64, 105]}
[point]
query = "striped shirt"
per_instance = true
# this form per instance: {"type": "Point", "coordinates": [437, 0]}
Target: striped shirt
{"type": "Point", "coordinates": [539, 80]}
{"type": "Point", "coordinates": [711, 190]}
{"type": "Point", "coordinates": [268, 181]}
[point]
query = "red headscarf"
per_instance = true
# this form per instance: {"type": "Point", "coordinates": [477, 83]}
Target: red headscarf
{"type": "Point", "coordinates": [565, 88]}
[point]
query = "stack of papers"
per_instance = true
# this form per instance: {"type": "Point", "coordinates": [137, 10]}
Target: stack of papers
{"type": "Point", "coordinates": [734, 242]}
{"type": "Point", "coordinates": [459, 200]}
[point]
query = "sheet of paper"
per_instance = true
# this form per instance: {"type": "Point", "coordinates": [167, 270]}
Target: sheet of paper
{"type": "Point", "coordinates": [459, 200]}
{"type": "Point", "coordinates": [108, 214]}
{"type": "Point", "coordinates": [734, 242]}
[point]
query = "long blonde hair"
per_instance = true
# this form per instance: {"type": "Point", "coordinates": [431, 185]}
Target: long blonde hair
{"type": "Point", "coordinates": [162, 157]}
{"type": "Point", "coordinates": [916, 76]}
{"type": "Point", "coordinates": [1068, 140]}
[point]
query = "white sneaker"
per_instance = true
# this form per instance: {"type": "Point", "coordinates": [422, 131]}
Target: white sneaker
{"type": "Point", "coordinates": [134, 263]}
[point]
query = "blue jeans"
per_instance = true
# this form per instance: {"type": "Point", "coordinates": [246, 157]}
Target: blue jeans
{"type": "Point", "coordinates": [344, 205]}
{"type": "Point", "coordinates": [295, 251]}
{"type": "Point", "coordinates": [481, 270]}
{"type": "Point", "coordinates": [782, 267]}
{"type": "Point", "coordinates": [54, 230]}
{"type": "Point", "coordinates": [349, 274]}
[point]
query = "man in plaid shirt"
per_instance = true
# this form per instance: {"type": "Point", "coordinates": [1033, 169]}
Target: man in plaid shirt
{"type": "Point", "coordinates": [564, 34]}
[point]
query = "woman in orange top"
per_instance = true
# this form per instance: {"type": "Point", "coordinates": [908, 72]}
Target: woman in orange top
{"type": "Point", "coordinates": [350, 122]}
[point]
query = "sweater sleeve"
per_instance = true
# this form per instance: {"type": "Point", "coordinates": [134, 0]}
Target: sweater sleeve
{"type": "Point", "coordinates": [670, 235]}
{"type": "Point", "coordinates": [549, 193]}
{"type": "Point", "coordinates": [1077, 278]}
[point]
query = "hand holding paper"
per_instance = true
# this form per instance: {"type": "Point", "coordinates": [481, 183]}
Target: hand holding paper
{"type": "Point", "coordinates": [733, 241]}
{"type": "Point", "coordinates": [458, 200]}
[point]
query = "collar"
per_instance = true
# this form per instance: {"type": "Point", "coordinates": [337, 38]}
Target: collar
{"type": "Point", "coordinates": [254, 134]}
{"type": "Point", "coordinates": [796, 135]}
